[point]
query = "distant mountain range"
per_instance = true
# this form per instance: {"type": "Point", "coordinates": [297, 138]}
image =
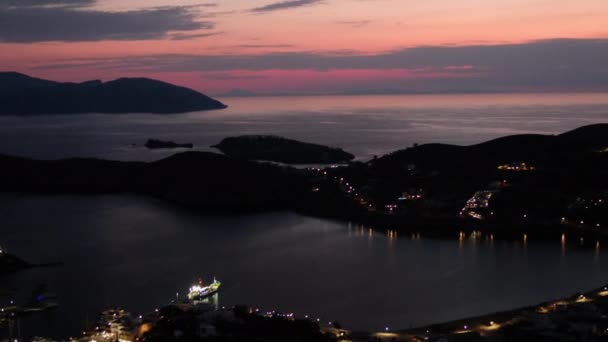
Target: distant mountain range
{"type": "Point", "coordinates": [24, 95]}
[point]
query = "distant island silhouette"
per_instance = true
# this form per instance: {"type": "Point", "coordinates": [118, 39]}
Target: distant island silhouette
{"type": "Point", "coordinates": [239, 93]}
{"type": "Point", "coordinates": [24, 95]}
{"type": "Point", "coordinates": [515, 187]}
{"type": "Point", "coordinates": [279, 149]}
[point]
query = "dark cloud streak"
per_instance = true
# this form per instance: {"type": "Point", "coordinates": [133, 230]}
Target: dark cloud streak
{"type": "Point", "coordinates": [262, 46]}
{"type": "Point", "coordinates": [13, 4]}
{"type": "Point", "coordinates": [28, 21]}
{"type": "Point", "coordinates": [187, 36]}
{"type": "Point", "coordinates": [283, 5]}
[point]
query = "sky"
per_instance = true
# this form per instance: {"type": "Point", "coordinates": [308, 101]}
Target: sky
{"type": "Point", "coordinates": [314, 46]}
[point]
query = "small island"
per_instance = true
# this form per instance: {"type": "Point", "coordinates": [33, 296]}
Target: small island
{"type": "Point", "coordinates": [158, 144]}
{"type": "Point", "coordinates": [282, 150]}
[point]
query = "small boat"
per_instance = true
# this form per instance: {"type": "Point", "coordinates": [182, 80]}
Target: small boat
{"type": "Point", "coordinates": [199, 292]}
{"type": "Point", "coordinates": [41, 300]}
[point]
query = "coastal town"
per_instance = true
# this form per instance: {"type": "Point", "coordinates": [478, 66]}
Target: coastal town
{"type": "Point", "coordinates": [580, 317]}
{"type": "Point", "coordinates": [473, 188]}
{"type": "Point", "coordinates": [196, 317]}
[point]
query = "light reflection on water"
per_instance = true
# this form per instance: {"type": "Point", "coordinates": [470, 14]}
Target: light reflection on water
{"type": "Point", "coordinates": [137, 253]}
{"type": "Point", "coordinates": [363, 125]}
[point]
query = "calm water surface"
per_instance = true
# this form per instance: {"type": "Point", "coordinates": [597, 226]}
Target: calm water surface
{"type": "Point", "coordinates": [138, 252]}
{"type": "Point", "coordinates": [363, 125]}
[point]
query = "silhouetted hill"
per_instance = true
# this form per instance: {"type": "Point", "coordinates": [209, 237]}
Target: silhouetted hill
{"type": "Point", "coordinates": [207, 181]}
{"type": "Point", "coordinates": [537, 175]}
{"type": "Point", "coordinates": [11, 80]}
{"type": "Point", "coordinates": [530, 147]}
{"type": "Point", "coordinates": [525, 184]}
{"type": "Point", "coordinates": [21, 94]}
{"type": "Point", "coordinates": [592, 135]}
{"type": "Point", "coordinates": [514, 142]}
{"type": "Point", "coordinates": [278, 149]}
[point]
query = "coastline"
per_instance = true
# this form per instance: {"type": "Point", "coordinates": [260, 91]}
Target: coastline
{"type": "Point", "coordinates": [459, 229]}
{"type": "Point", "coordinates": [581, 316]}
{"type": "Point", "coordinates": [418, 191]}
{"type": "Point", "coordinates": [557, 251]}
{"type": "Point", "coordinates": [584, 309]}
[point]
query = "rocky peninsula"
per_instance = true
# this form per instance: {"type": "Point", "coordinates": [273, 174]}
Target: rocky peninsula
{"type": "Point", "coordinates": [282, 150]}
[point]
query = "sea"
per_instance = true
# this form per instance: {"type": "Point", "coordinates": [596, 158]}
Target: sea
{"type": "Point", "coordinates": [141, 253]}
{"type": "Point", "coordinates": [364, 125]}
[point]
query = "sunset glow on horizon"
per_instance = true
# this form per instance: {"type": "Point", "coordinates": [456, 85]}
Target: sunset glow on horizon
{"type": "Point", "coordinates": [308, 46]}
